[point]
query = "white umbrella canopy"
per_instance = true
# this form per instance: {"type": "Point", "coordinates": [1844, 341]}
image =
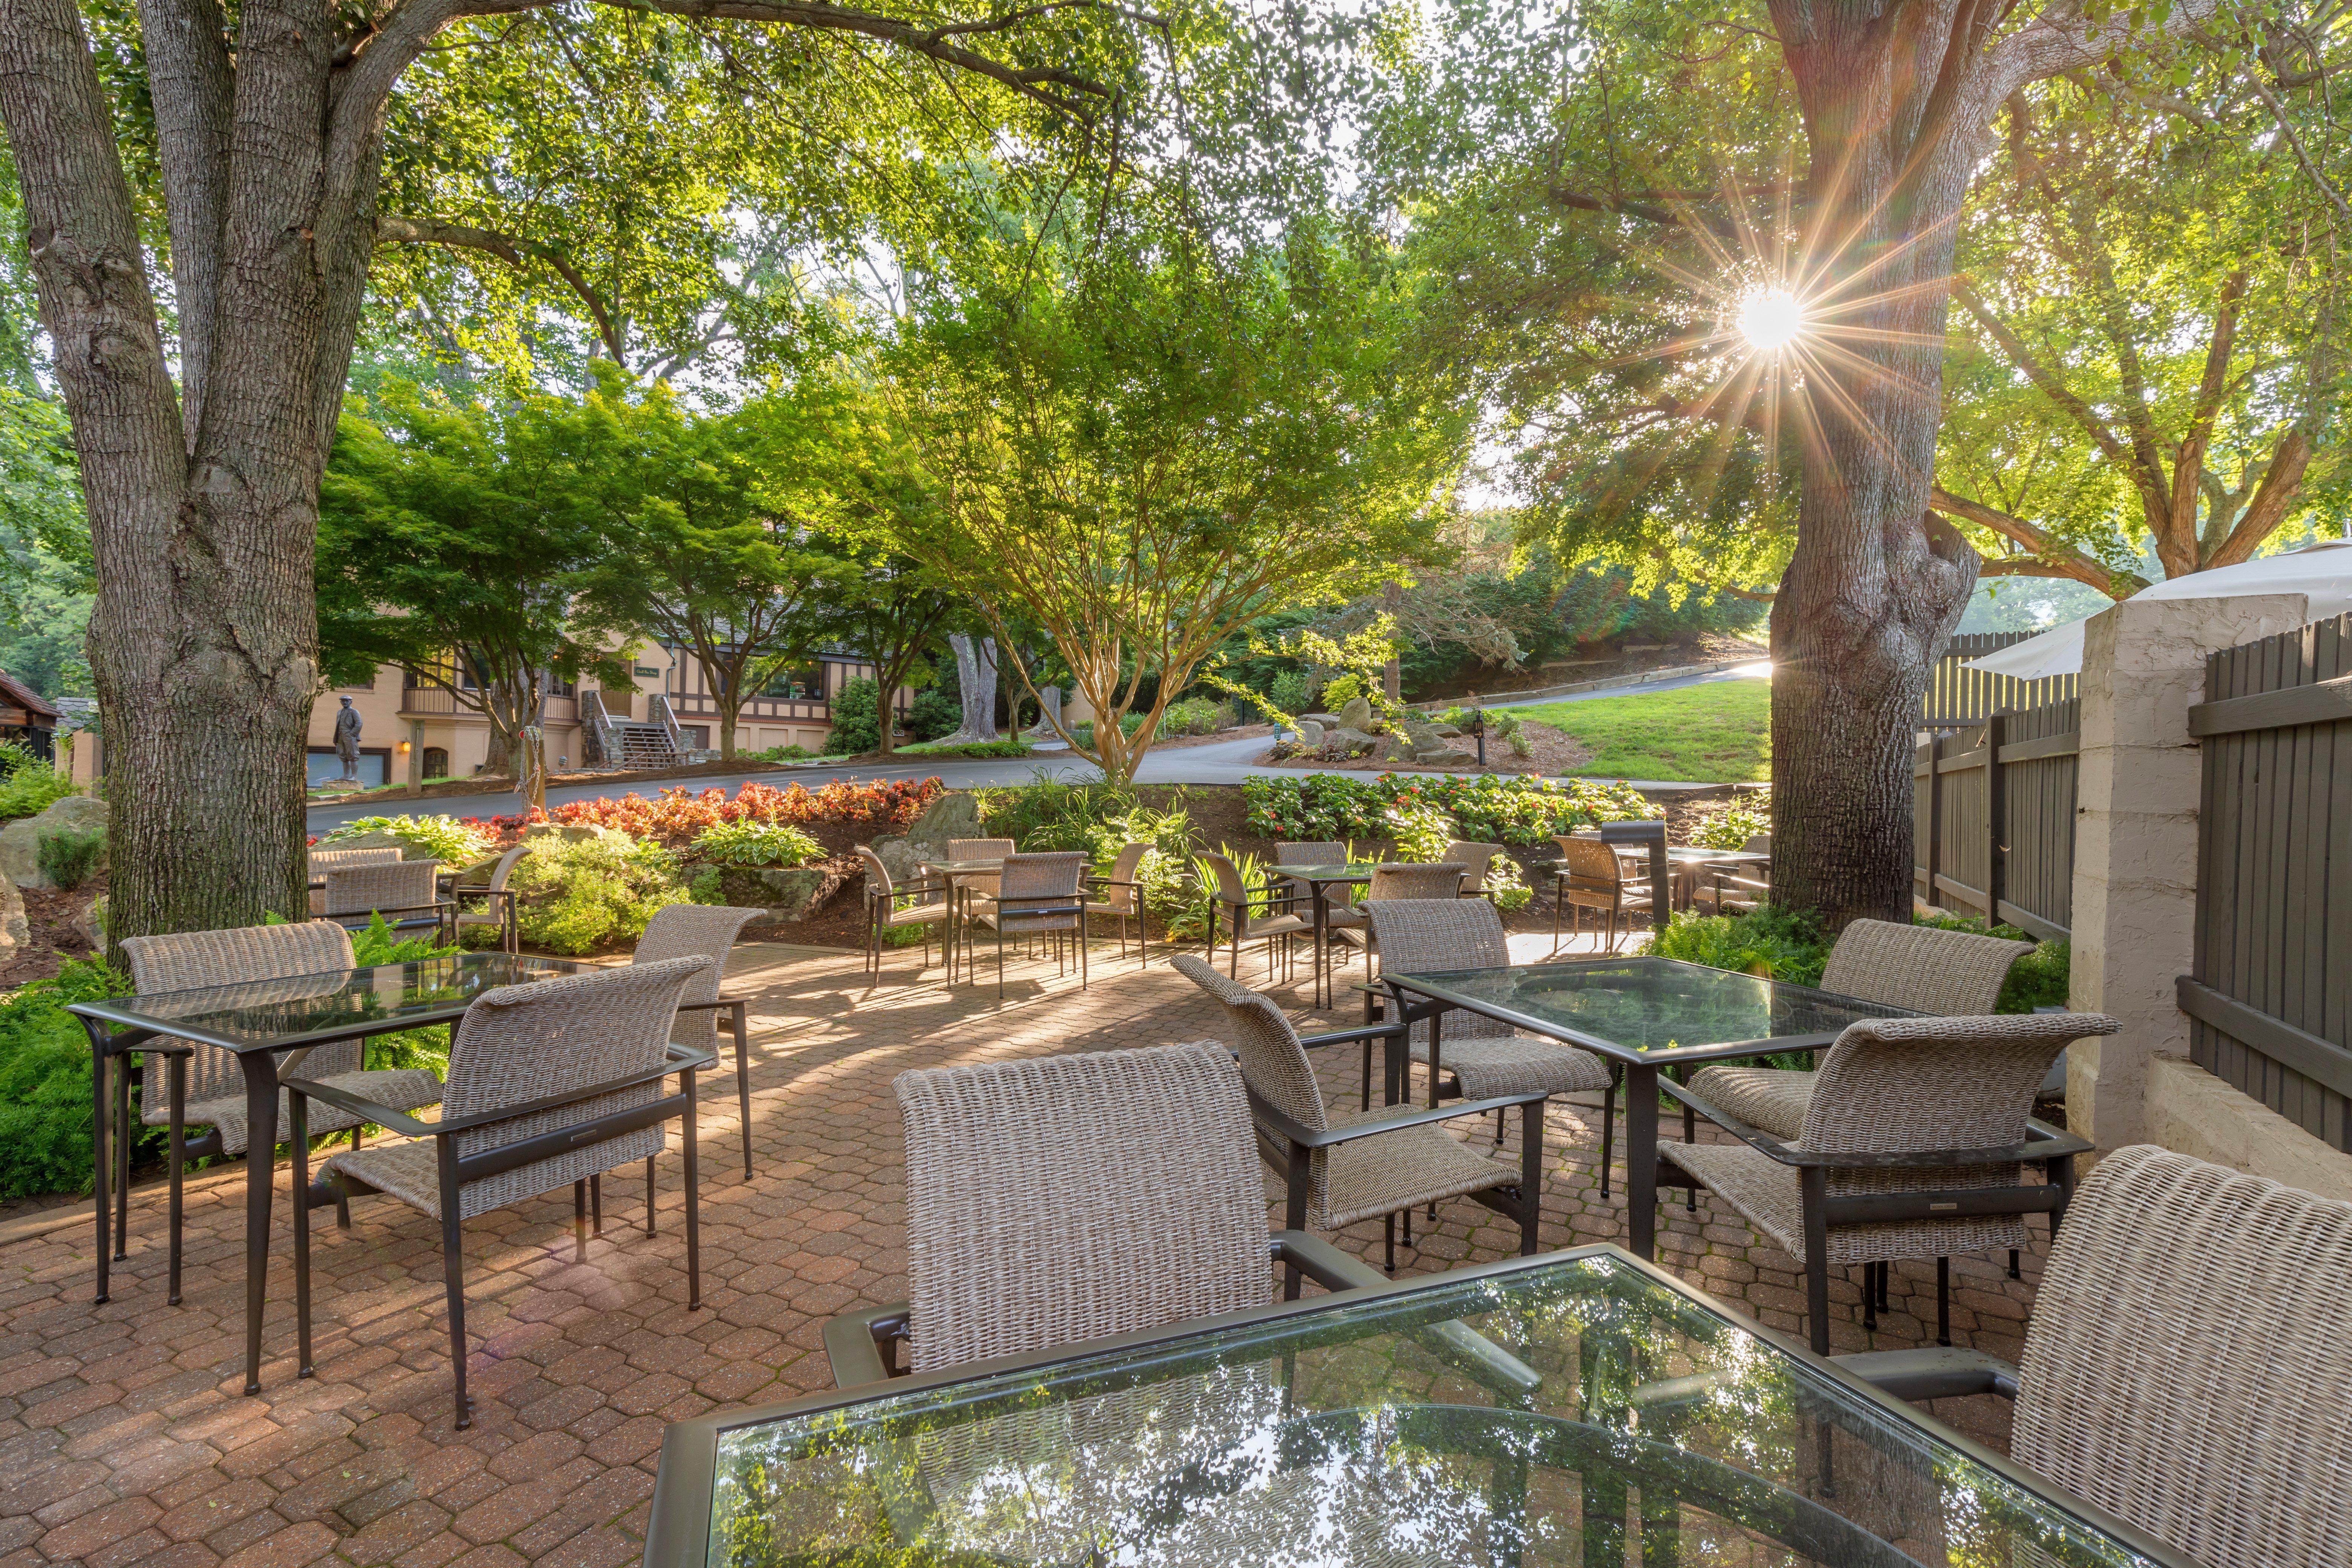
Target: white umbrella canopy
{"type": "Point", "coordinates": [2321, 571]}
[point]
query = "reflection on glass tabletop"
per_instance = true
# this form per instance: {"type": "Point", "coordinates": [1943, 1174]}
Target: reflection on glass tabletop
{"type": "Point", "coordinates": [1653, 1007]}
{"type": "Point", "coordinates": [1558, 1413]}
{"type": "Point", "coordinates": [273, 1013]}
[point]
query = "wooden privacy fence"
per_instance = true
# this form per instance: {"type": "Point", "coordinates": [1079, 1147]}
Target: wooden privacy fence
{"type": "Point", "coordinates": [1993, 819]}
{"type": "Point", "coordinates": [1958, 696]}
{"type": "Point", "coordinates": [2269, 1002]}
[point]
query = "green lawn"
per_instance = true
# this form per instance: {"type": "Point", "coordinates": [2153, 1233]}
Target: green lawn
{"type": "Point", "coordinates": [1720, 733]}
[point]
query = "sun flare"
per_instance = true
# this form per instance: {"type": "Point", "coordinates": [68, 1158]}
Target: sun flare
{"type": "Point", "coordinates": [1769, 318]}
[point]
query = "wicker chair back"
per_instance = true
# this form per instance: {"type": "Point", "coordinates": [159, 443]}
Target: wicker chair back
{"type": "Point", "coordinates": [1273, 1061]}
{"type": "Point", "coordinates": [1414, 880]}
{"type": "Point", "coordinates": [521, 1043]}
{"type": "Point", "coordinates": [695, 931]}
{"type": "Point", "coordinates": [1118, 898]}
{"type": "Point", "coordinates": [325, 860]}
{"type": "Point", "coordinates": [1479, 858]}
{"type": "Point", "coordinates": [238, 956]}
{"type": "Point", "coordinates": [1951, 973]}
{"type": "Point", "coordinates": [1424, 934]}
{"type": "Point", "coordinates": [1065, 1198]}
{"type": "Point", "coordinates": [1902, 1085]}
{"type": "Point", "coordinates": [389, 885]}
{"type": "Point", "coordinates": [979, 849]}
{"type": "Point", "coordinates": [2187, 1368]}
{"type": "Point", "coordinates": [1590, 862]}
{"type": "Point", "coordinates": [1057, 876]}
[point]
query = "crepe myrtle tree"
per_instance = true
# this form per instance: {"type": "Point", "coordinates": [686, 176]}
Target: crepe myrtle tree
{"type": "Point", "coordinates": [202, 486]}
{"type": "Point", "coordinates": [1138, 445]}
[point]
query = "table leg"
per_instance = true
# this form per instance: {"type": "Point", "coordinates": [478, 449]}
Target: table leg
{"type": "Point", "coordinates": [260, 1172]}
{"type": "Point", "coordinates": [101, 1156]}
{"type": "Point", "coordinates": [1642, 1160]}
{"type": "Point", "coordinates": [743, 1080]}
{"type": "Point", "coordinates": [1322, 953]}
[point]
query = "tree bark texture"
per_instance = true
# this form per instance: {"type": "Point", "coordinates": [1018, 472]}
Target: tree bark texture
{"type": "Point", "coordinates": [975, 659]}
{"type": "Point", "coordinates": [1897, 98]}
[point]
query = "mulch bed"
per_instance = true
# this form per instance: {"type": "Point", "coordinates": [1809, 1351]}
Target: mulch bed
{"type": "Point", "coordinates": [1549, 751]}
{"type": "Point", "coordinates": [55, 922]}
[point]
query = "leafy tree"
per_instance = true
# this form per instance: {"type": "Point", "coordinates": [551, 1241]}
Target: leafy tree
{"type": "Point", "coordinates": [709, 529]}
{"type": "Point", "coordinates": [1692, 312]}
{"type": "Point", "coordinates": [894, 612]}
{"type": "Point", "coordinates": [1148, 435]}
{"type": "Point", "coordinates": [267, 138]}
{"type": "Point", "coordinates": [448, 535]}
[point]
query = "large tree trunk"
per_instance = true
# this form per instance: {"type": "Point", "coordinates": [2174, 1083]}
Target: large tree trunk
{"type": "Point", "coordinates": [976, 677]}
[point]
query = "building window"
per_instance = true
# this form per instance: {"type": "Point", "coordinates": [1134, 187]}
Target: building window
{"type": "Point", "coordinates": [557, 687]}
{"type": "Point", "coordinates": [436, 763]}
{"type": "Point", "coordinates": [806, 684]}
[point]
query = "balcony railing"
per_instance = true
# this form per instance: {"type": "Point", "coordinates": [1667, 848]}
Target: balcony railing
{"type": "Point", "coordinates": [427, 701]}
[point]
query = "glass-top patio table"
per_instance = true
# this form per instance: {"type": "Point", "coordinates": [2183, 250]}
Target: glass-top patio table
{"type": "Point", "coordinates": [1640, 1014]}
{"type": "Point", "coordinates": [1554, 1409]}
{"type": "Point", "coordinates": [261, 1021]}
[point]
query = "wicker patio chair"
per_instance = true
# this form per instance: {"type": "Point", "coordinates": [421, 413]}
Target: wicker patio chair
{"type": "Point", "coordinates": [2186, 1368]}
{"type": "Point", "coordinates": [979, 849]}
{"type": "Point", "coordinates": [1067, 1198]}
{"type": "Point", "coordinates": [1394, 880]}
{"type": "Point", "coordinates": [1486, 1055]}
{"type": "Point", "coordinates": [550, 1083]}
{"type": "Point", "coordinates": [1592, 876]}
{"type": "Point", "coordinates": [189, 1083]}
{"type": "Point", "coordinates": [1039, 895]}
{"type": "Point", "coordinates": [322, 861]}
{"type": "Point", "coordinates": [1478, 859]}
{"type": "Point", "coordinates": [1122, 895]}
{"type": "Point", "coordinates": [402, 891]}
{"type": "Point", "coordinates": [1346, 1165]}
{"type": "Point", "coordinates": [884, 913]}
{"type": "Point", "coordinates": [500, 911]}
{"type": "Point", "coordinates": [706, 931]}
{"type": "Point", "coordinates": [1250, 917]}
{"type": "Point", "coordinates": [1910, 1148]}
{"type": "Point", "coordinates": [1950, 974]}
{"type": "Point", "coordinates": [1729, 891]}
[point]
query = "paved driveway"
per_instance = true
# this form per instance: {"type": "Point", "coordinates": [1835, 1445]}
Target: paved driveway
{"type": "Point", "coordinates": [1224, 763]}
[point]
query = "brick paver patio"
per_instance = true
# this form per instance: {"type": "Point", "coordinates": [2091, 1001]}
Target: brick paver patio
{"type": "Point", "coordinates": [124, 1439]}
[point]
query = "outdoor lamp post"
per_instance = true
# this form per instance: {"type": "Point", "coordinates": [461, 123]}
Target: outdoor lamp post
{"type": "Point", "coordinates": [1479, 728]}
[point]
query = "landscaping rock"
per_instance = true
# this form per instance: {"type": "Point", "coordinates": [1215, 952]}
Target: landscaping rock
{"type": "Point", "coordinates": [1329, 720]}
{"type": "Point", "coordinates": [1357, 715]}
{"type": "Point", "coordinates": [787, 893]}
{"type": "Point", "coordinates": [1311, 734]}
{"type": "Point", "coordinates": [1346, 742]}
{"type": "Point", "coordinates": [926, 838]}
{"type": "Point", "coordinates": [1426, 743]}
{"type": "Point", "coordinates": [14, 930]}
{"type": "Point", "coordinates": [1449, 732]}
{"type": "Point", "coordinates": [20, 841]}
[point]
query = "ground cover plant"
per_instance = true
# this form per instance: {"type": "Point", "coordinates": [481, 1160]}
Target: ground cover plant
{"type": "Point", "coordinates": [1718, 731]}
{"type": "Point", "coordinates": [576, 896]}
{"type": "Point", "coordinates": [443, 838]}
{"type": "Point", "coordinates": [1487, 807]}
{"type": "Point", "coordinates": [751, 843]}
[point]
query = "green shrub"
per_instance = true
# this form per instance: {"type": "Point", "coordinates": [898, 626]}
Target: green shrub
{"type": "Point", "coordinates": [1340, 690]}
{"type": "Point", "coordinates": [442, 838]}
{"type": "Point", "coordinates": [1730, 829]}
{"type": "Point", "coordinates": [1194, 716]}
{"type": "Point", "coordinates": [1488, 807]}
{"type": "Point", "coordinates": [748, 843]}
{"type": "Point", "coordinates": [1508, 885]}
{"type": "Point", "coordinates": [1779, 944]}
{"type": "Point", "coordinates": [30, 791]}
{"type": "Point", "coordinates": [1290, 691]}
{"type": "Point", "coordinates": [1084, 731]}
{"type": "Point", "coordinates": [856, 719]}
{"type": "Point", "coordinates": [45, 1085]}
{"type": "Point", "coordinates": [793, 753]}
{"type": "Point", "coordinates": [1420, 831]}
{"type": "Point", "coordinates": [1010, 746]}
{"type": "Point", "coordinates": [708, 886]}
{"type": "Point", "coordinates": [576, 898]}
{"type": "Point", "coordinates": [1049, 814]}
{"type": "Point", "coordinates": [903, 936]}
{"type": "Point", "coordinates": [70, 858]}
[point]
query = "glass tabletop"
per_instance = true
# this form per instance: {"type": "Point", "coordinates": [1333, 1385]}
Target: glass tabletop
{"type": "Point", "coordinates": [1558, 1410]}
{"type": "Point", "coordinates": [1652, 1009]}
{"type": "Point", "coordinates": [1358, 873]}
{"type": "Point", "coordinates": [969, 867]}
{"type": "Point", "coordinates": [300, 1009]}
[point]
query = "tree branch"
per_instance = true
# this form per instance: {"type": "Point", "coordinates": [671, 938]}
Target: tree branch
{"type": "Point", "coordinates": [2063, 560]}
{"type": "Point", "coordinates": [2043, 379]}
{"type": "Point", "coordinates": [2188, 463]}
{"type": "Point", "coordinates": [515, 253]}
{"type": "Point", "coordinates": [2281, 481]}
{"type": "Point", "coordinates": [2294, 139]}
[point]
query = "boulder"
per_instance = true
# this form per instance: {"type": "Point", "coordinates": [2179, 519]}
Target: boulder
{"type": "Point", "coordinates": [20, 841]}
{"type": "Point", "coordinates": [1449, 732]}
{"type": "Point", "coordinates": [1311, 734]}
{"type": "Point", "coordinates": [926, 838]}
{"type": "Point", "coordinates": [1329, 720]}
{"type": "Point", "coordinates": [1357, 715]}
{"type": "Point", "coordinates": [14, 930]}
{"type": "Point", "coordinates": [787, 893]}
{"type": "Point", "coordinates": [1347, 741]}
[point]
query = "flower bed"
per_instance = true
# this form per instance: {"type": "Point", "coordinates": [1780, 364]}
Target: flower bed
{"type": "Point", "coordinates": [1487, 807]}
{"type": "Point", "coordinates": [680, 815]}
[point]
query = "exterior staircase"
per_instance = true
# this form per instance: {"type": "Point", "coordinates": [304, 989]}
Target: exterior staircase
{"type": "Point", "coordinates": [644, 745]}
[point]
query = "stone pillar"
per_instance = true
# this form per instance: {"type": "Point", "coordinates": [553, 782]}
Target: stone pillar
{"type": "Point", "coordinates": [2136, 795]}
{"type": "Point", "coordinates": [415, 757]}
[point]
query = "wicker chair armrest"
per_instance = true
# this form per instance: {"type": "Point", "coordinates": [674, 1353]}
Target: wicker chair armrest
{"type": "Point", "coordinates": [708, 1006]}
{"type": "Point", "coordinates": [1322, 1262]}
{"type": "Point", "coordinates": [1038, 905]}
{"type": "Point", "coordinates": [1932, 1371]}
{"type": "Point", "coordinates": [435, 907]}
{"type": "Point", "coordinates": [903, 889]}
{"type": "Point", "coordinates": [853, 1342]}
{"type": "Point", "coordinates": [366, 1110]}
{"type": "Point", "coordinates": [2044, 1143]}
{"type": "Point", "coordinates": [1331, 1137]}
{"type": "Point", "coordinates": [1360, 1032]}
